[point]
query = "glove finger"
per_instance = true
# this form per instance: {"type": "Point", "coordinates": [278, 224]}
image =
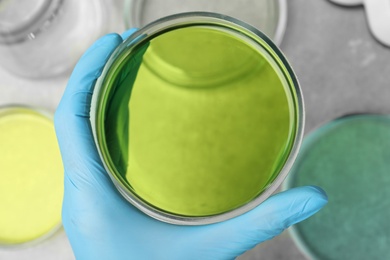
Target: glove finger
{"type": "Point", "coordinates": [285, 209]}
{"type": "Point", "coordinates": [79, 154]}
{"type": "Point", "coordinates": [269, 219]}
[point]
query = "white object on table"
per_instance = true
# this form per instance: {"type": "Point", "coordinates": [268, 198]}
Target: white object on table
{"type": "Point", "coordinates": [378, 16]}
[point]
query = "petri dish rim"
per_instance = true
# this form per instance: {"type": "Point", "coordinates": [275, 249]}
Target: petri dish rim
{"type": "Point", "coordinates": [132, 18]}
{"type": "Point", "coordinates": [57, 228]}
{"type": "Point", "coordinates": [39, 25]}
{"type": "Point", "coordinates": [309, 139]}
{"type": "Point", "coordinates": [161, 26]}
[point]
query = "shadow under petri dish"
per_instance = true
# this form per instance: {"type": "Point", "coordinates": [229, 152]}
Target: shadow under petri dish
{"type": "Point", "coordinates": [198, 121]}
{"type": "Point", "coordinates": [349, 159]}
{"type": "Point", "coordinates": [31, 179]}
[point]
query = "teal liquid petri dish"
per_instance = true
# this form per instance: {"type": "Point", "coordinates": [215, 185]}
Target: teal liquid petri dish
{"type": "Point", "coordinates": [197, 118]}
{"type": "Point", "coordinates": [350, 159]}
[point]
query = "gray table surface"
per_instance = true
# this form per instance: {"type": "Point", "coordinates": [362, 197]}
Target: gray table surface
{"type": "Point", "coordinates": [341, 67]}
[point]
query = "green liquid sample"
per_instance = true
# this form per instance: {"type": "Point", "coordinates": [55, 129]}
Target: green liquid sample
{"type": "Point", "coordinates": [198, 121]}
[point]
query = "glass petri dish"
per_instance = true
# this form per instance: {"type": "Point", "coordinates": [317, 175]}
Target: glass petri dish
{"type": "Point", "coordinates": [269, 16]}
{"type": "Point", "coordinates": [42, 38]}
{"type": "Point", "coordinates": [197, 118]}
{"type": "Point", "coordinates": [349, 159]}
{"type": "Point", "coordinates": [19, 18]}
{"type": "Point", "coordinates": [31, 179]}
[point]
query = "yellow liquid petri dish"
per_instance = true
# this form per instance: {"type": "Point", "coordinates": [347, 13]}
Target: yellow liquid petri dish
{"type": "Point", "coordinates": [31, 176]}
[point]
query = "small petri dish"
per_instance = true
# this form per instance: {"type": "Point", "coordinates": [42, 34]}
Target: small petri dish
{"type": "Point", "coordinates": [349, 159]}
{"type": "Point", "coordinates": [16, 17]}
{"type": "Point", "coordinates": [31, 179]}
{"type": "Point", "coordinates": [197, 118]}
{"type": "Point", "coordinates": [30, 31]}
{"type": "Point", "coordinates": [269, 16]}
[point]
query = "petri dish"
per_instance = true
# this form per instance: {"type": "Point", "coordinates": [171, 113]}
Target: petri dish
{"type": "Point", "coordinates": [349, 159]}
{"type": "Point", "coordinates": [17, 16]}
{"type": "Point", "coordinates": [31, 179]}
{"type": "Point", "coordinates": [45, 38]}
{"type": "Point", "coordinates": [269, 16]}
{"type": "Point", "coordinates": [197, 118]}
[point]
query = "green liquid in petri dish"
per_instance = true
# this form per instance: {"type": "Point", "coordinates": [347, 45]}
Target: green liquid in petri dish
{"type": "Point", "coordinates": [198, 121]}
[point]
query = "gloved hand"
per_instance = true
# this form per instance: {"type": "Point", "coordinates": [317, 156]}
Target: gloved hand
{"type": "Point", "coordinates": [100, 224]}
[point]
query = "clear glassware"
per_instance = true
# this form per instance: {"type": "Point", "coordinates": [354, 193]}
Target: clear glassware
{"type": "Point", "coordinates": [45, 38]}
{"type": "Point", "coordinates": [197, 117]}
{"type": "Point", "coordinates": [269, 16]}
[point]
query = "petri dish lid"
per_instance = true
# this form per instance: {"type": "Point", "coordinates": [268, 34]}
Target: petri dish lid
{"type": "Point", "coordinates": [349, 159]}
{"type": "Point", "coordinates": [15, 15]}
{"type": "Point", "coordinates": [21, 19]}
{"type": "Point", "coordinates": [269, 16]}
{"type": "Point", "coordinates": [31, 179]}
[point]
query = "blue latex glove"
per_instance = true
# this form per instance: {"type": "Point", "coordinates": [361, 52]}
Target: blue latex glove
{"type": "Point", "coordinates": [100, 224]}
